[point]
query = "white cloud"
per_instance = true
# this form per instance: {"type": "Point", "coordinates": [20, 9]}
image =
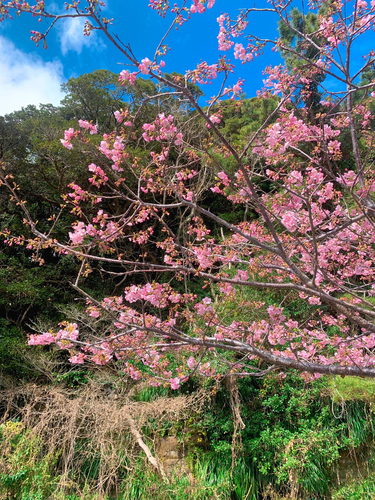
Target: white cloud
{"type": "Point", "coordinates": [70, 34]}
{"type": "Point", "coordinates": [27, 79]}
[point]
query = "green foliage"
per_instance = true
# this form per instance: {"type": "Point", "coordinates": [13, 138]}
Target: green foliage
{"type": "Point", "coordinates": [13, 141]}
{"type": "Point", "coordinates": [361, 489]}
{"type": "Point", "coordinates": [143, 485]}
{"type": "Point", "coordinates": [353, 389]}
{"type": "Point", "coordinates": [304, 24]}
{"type": "Point", "coordinates": [94, 97]}
{"type": "Point", "coordinates": [149, 393]}
{"type": "Point", "coordinates": [213, 478]}
{"type": "Point", "coordinates": [28, 292]}
{"type": "Point", "coordinates": [300, 52]}
{"type": "Point", "coordinates": [73, 378]}
{"type": "Point", "coordinates": [291, 437]}
{"type": "Point", "coordinates": [27, 471]}
{"type": "Point", "coordinates": [241, 119]}
{"type": "Point", "coordinates": [12, 362]}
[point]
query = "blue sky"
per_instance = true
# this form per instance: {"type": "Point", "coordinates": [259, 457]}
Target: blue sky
{"type": "Point", "coordinates": [31, 75]}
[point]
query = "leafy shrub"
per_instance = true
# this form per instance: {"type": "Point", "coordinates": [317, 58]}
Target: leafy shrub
{"type": "Point", "coordinates": [28, 469]}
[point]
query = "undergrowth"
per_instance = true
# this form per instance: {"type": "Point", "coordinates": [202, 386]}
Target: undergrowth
{"type": "Point", "coordinates": [268, 439]}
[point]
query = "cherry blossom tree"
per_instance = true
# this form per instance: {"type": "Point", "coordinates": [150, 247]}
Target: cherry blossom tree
{"type": "Point", "coordinates": [304, 181]}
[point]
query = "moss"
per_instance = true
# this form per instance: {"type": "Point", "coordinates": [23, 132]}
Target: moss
{"type": "Point", "coordinates": [352, 389]}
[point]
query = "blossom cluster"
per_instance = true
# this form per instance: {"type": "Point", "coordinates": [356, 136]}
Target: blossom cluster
{"type": "Point", "coordinates": [107, 230]}
{"type": "Point", "coordinates": [114, 150]}
{"type": "Point", "coordinates": [163, 128]}
{"type": "Point", "coordinates": [199, 6]}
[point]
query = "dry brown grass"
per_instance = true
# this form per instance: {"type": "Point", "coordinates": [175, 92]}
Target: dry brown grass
{"type": "Point", "coordinates": [93, 430]}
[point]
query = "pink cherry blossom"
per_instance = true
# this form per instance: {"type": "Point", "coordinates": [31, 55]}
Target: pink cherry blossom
{"type": "Point", "coordinates": [144, 67]}
{"type": "Point", "coordinates": [175, 383]}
